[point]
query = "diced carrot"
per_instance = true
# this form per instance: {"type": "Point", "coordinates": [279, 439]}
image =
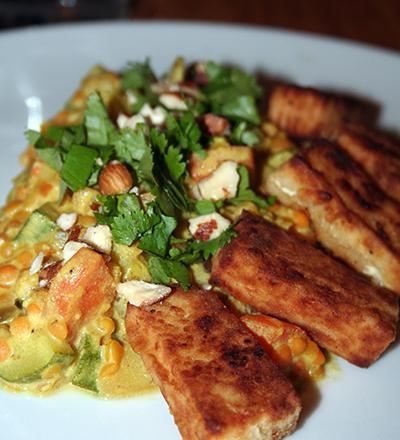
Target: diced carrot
{"type": "Point", "coordinates": [82, 288]}
{"type": "Point", "coordinates": [45, 188]}
{"type": "Point", "coordinates": [12, 207]}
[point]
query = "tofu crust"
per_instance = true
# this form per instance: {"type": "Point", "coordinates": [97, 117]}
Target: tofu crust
{"type": "Point", "coordinates": [339, 229]}
{"type": "Point", "coordinates": [305, 112]}
{"type": "Point", "coordinates": [357, 190]}
{"type": "Point", "coordinates": [378, 155]}
{"type": "Point", "coordinates": [279, 274]}
{"type": "Point", "coordinates": [216, 377]}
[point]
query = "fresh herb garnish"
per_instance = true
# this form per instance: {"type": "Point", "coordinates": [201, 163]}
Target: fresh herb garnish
{"type": "Point", "coordinates": [78, 166]}
{"type": "Point", "coordinates": [139, 77]}
{"type": "Point", "coordinates": [242, 135]}
{"type": "Point", "coordinates": [156, 241]}
{"type": "Point", "coordinates": [246, 194]}
{"type": "Point", "coordinates": [99, 128]}
{"type": "Point", "coordinates": [126, 217]}
{"type": "Point", "coordinates": [205, 207]}
{"type": "Point", "coordinates": [232, 93]}
{"type": "Point", "coordinates": [158, 157]}
{"type": "Point", "coordinates": [165, 271]}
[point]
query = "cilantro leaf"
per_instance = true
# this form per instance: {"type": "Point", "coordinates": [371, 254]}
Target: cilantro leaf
{"type": "Point", "coordinates": [226, 82]}
{"type": "Point", "coordinates": [170, 194]}
{"type": "Point", "coordinates": [239, 108]}
{"type": "Point", "coordinates": [184, 132]}
{"type": "Point", "coordinates": [78, 166]}
{"type": "Point", "coordinates": [99, 127]}
{"type": "Point", "coordinates": [157, 241]}
{"type": "Point", "coordinates": [133, 148]}
{"type": "Point", "coordinates": [232, 93]}
{"type": "Point", "coordinates": [246, 194]}
{"type": "Point", "coordinates": [175, 163]}
{"type": "Point", "coordinates": [126, 217]}
{"type": "Point", "coordinates": [208, 248]}
{"type": "Point", "coordinates": [204, 207]}
{"type": "Point", "coordinates": [164, 271]}
{"type": "Point", "coordinates": [139, 77]}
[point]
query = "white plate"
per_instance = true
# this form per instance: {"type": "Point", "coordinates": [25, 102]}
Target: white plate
{"type": "Point", "coordinates": [39, 69]}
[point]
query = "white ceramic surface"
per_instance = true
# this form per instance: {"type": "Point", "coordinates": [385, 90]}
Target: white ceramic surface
{"type": "Point", "coordinates": [39, 68]}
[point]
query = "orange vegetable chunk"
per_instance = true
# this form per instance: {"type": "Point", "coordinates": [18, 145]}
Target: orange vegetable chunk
{"type": "Point", "coordinates": [83, 288]}
{"type": "Point", "coordinates": [288, 345]}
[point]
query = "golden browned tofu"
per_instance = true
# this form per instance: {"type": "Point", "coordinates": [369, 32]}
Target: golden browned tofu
{"type": "Point", "coordinates": [201, 168]}
{"type": "Point", "coordinates": [305, 112]}
{"type": "Point", "coordinates": [357, 190]}
{"type": "Point", "coordinates": [281, 275]}
{"type": "Point", "coordinates": [216, 377]}
{"type": "Point", "coordinates": [378, 155]}
{"type": "Point", "coordinates": [339, 229]}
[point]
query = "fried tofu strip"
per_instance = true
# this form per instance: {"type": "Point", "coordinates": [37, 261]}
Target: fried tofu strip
{"type": "Point", "coordinates": [339, 229]}
{"type": "Point", "coordinates": [357, 190]}
{"type": "Point", "coordinates": [216, 377]}
{"type": "Point", "coordinates": [378, 155]}
{"type": "Point", "coordinates": [281, 275]}
{"type": "Point", "coordinates": [305, 112]}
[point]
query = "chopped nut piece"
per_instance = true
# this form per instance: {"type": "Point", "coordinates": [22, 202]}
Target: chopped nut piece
{"type": "Point", "coordinates": [208, 227]}
{"type": "Point", "coordinates": [100, 237]}
{"type": "Point", "coordinates": [140, 293]}
{"type": "Point", "coordinates": [115, 179]}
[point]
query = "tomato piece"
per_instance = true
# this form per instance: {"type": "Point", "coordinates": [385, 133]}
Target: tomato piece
{"type": "Point", "coordinates": [83, 288]}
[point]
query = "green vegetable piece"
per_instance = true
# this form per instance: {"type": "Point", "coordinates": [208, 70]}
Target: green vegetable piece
{"type": "Point", "coordinates": [241, 135]}
{"type": "Point", "coordinates": [276, 160]}
{"type": "Point", "coordinates": [85, 372]}
{"type": "Point", "coordinates": [78, 166]}
{"type": "Point", "coordinates": [31, 356]}
{"type": "Point", "coordinates": [38, 227]}
{"type": "Point", "coordinates": [99, 127]}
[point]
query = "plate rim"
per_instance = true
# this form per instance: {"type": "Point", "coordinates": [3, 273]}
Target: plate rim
{"type": "Point", "coordinates": [277, 31]}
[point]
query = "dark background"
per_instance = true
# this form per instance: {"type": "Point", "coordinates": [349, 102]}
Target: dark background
{"type": "Point", "coordinates": [369, 21]}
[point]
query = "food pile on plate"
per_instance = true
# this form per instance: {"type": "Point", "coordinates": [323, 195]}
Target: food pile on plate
{"type": "Point", "coordinates": [166, 231]}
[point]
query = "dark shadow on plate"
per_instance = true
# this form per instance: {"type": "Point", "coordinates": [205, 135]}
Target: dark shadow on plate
{"type": "Point", "coordinates": [310, 398]}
